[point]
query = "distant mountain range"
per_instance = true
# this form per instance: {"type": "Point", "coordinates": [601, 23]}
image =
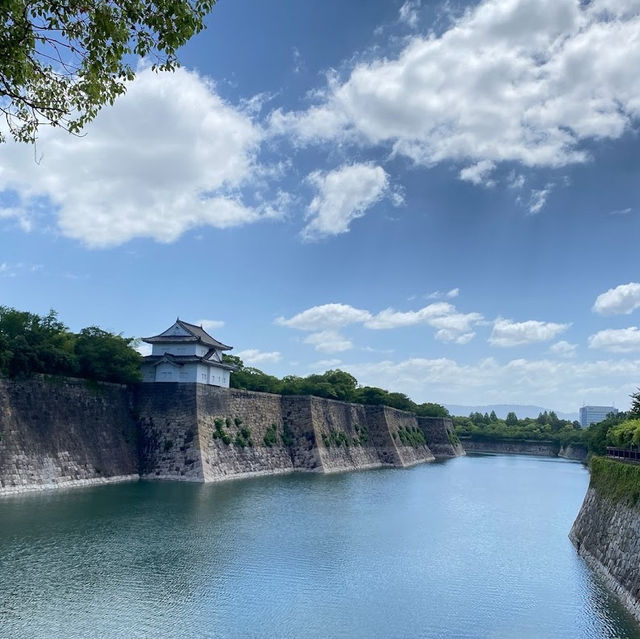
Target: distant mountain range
{"type": "Point", "coordinates": [502, 410]}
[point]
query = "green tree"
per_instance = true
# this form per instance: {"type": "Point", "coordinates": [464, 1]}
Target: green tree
{"type": "Point", "coordinates": [430, 409]}
{"type": "Point", "coordinates": [635, 403]}
{"type": "Point", "coordinates": [234, 360]}
{"type": "Point", "coordinates": [34, 344]}
{"type": "Point", "coordinates": [493, 417]}
{"type": "Point", "coordinates": [107, 357]}
{"type": "Point", "coordinates": [511, 420]}
{"type": "Point", "coordinates": [60, 62]}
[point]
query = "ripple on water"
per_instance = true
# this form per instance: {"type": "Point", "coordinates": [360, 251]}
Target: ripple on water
{"type": "Point", "coordinates": [476, 547]}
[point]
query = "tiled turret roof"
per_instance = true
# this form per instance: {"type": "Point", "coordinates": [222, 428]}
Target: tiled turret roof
{"type": "Point", "coordinates": [196, 334]}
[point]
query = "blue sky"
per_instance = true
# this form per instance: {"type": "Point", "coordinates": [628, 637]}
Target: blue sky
{"type": "Point", "coordinates": [441, 198]}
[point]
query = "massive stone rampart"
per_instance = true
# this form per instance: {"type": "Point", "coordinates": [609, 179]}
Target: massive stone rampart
{"type": "Point", "coordinates": [203, 433]}
{"type": "Point", "coordinates": [56, 432]}
{"type": "Point", "coordinates": [606, 532]}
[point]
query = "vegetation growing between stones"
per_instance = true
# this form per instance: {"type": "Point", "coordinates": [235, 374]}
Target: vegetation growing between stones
{"type": "Point", "coordinates": [219, 431]}
{"type": "Point", "coordinates": [411, 436]}
{"type": "Point", "coordinates": [616, 480]}
{"type": "Point", "coordinates": [271, 436]}
{"type": "Point", "coordinates": [222, 427]}
{"type": "Point", "coordinates": [336, 438]}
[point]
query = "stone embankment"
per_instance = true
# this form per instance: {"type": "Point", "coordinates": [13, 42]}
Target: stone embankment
{"type": "Point", "coordinates": [576, 452]}
{"type": "Point", "coordinates": [63, 432]}
{"type": "Point", "coordinates": [58, 432]}
{"type": "Point", "coordinates": [606, 532]}
{"type": "Point", "coordinates": [193, 432]}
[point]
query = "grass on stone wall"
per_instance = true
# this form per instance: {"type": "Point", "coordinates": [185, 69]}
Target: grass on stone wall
{"type": "Point", "coordinates": [616, 480]}
{"type": "Point", "coordinates": [411, 436]}
{"type": "Point", "coordinates": [336, 438]}
{"type": "Point", "coordinates": [271, 436]}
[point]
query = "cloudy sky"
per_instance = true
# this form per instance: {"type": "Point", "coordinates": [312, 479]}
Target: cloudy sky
{"type": "Point", "coordinates": [439, 197]}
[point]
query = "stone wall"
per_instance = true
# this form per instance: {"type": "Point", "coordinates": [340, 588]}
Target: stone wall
{"type": "Point", "coordinates": [402, 426]}
{"type": "Point", "coordinates": [254, 426]}
{"type": "Point", "coordinates": [574, 451]}
{"type": "Point", "coordinates": [342, 434]}
{"type": "Point", "coordinates": [59, 432]}
{"type": "Point", "coordinates": [516, 446]}
{"type": "Point", "coordinates": [56, 431]}
{"type": "Point", "coordinates": [170, 442]}
{"type": "Point", "coordinates": [204, 433]}
{"type": "Point", "coordinates": [440, 436]}
{"type": "Point", "coordinates": [606, 534]}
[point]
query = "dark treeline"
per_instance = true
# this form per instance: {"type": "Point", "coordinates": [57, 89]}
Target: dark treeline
{"type": "Point", "coordinates": [31, 343]}
{"type": "Point", "coordinates": [333, 384]}
{"type": "Point", "coordinates": [619, 429]}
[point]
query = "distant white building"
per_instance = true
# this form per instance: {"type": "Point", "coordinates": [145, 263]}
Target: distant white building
{"type": "Point", "coordinates": [186, 353]}
{"type": "Point", "coordinates": [594, 414]}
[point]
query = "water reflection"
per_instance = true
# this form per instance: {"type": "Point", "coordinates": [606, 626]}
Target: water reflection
{"type": "Point", "coordinates": [475, 547]}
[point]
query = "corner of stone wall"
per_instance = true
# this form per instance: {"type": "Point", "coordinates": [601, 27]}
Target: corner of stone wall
{"type": "Point", "coordinates": [170, 445]}
{"type": "Point", "coordinates": [440, 436]}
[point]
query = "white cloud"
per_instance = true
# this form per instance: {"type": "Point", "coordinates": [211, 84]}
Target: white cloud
{"type": "Point", "coordinates": [343, 196]}
{"type": "Point", "coordinates": [209, 324]}
{"type": "Point", "coordinates": [507, 333]}
{"type": "Point", "coordinates": [409, 12]}
{"type": "Point", "coordinates": [558, 383]}
{"type": "Point", "coordinates": [144, 349]}
{"type": "Point", "coordinates": [451, 325]}
{"type": "Point", "coordinates": [515, 180]}
{"type": "Point", "coordinates": [622, 299]}
{"type": "Point", "coordinates": [17, 214]}
{"type": "Point", "coordinates": [478, 173]}
{"type": "Point", "coordinates": [436, 295]}
{"type": "Point", "coordinates": [622, 340]}
{"type": "Point", "coordinates": [563, 349]}
{"type": "Point", "coordinates": [168, 156]}
{"type": "Point", "coordinates": [525, 81]}
{"type": "Point", "coordinates": [325, 316]}
{"type": "Point", "coordinates": [254, 356]}
{"type": "Point", "coordinates": [455, 327]}
{"type": "Point", "coordinates": [329, 341]}
{"type": "Point", "coordinates": [390, 318]}
{"type": "Point", "coordinates": [538, 199]}
{"type": "Point", "coordinates": [11, 269]}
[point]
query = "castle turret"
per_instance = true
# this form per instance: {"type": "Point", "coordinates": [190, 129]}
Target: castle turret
{"type": "Point", "coordinates": [186, 353]}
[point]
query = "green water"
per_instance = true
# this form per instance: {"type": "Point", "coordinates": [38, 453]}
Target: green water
{"type": "Point", "coordinates": [474, 547]}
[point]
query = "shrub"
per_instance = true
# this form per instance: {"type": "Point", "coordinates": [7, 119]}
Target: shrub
{"type": "Point", "coordinates": [237, 421]}
{"type": "Point", "coordinates": [271, 436]}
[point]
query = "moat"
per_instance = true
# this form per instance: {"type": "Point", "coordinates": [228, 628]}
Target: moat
{"type": "Point", "coordinates": [472, 547]}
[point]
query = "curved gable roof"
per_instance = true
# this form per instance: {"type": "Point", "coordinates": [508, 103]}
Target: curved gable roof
{"type": "Point", "coordinates": [194, 334]}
